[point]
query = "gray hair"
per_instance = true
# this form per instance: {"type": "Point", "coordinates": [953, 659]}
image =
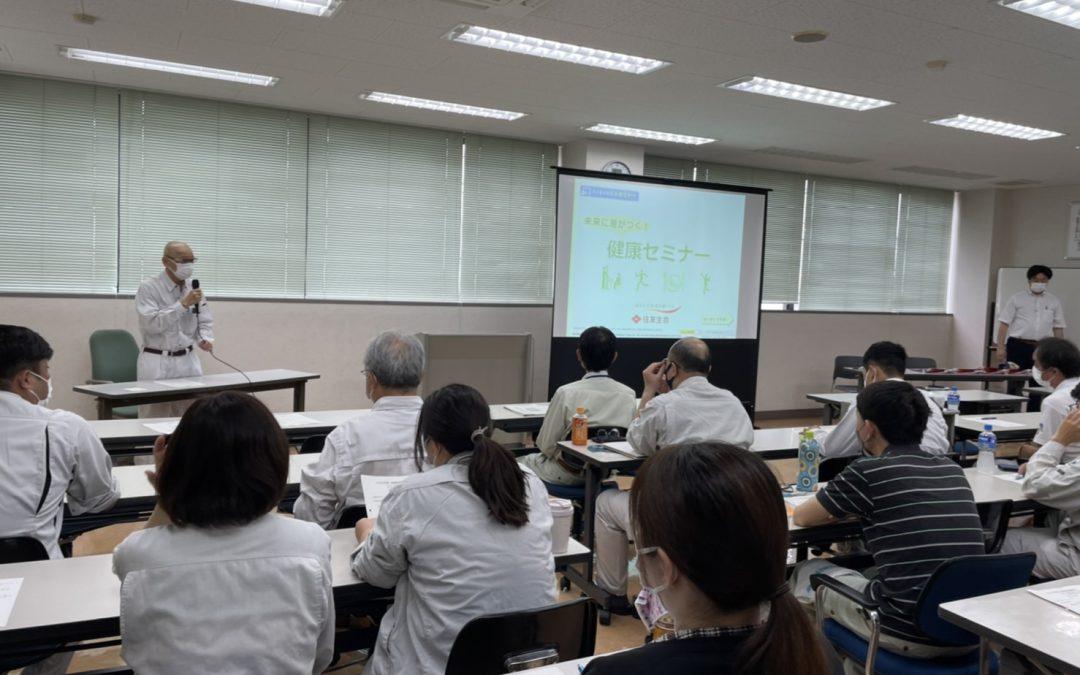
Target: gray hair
{"type": "Point", "coordinates": [395, 359]}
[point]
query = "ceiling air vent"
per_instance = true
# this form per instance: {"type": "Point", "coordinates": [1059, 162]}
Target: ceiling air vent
{"type": "Point", "coordinates": [511, 8]}
{"type": "Point", "coordinates": [1018, 183]}
{"type": "Point", "coordinates": [942, 173]}
{"type": "Point", "coordinates": [810, 154]}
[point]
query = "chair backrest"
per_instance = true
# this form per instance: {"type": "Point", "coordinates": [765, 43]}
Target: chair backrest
{"type": "Point", "coordinates": [21, 549]}
{"type": "Point", "coordinates": [113, 355]}
{"type": "Point", "coordinates": [995, 521]}
{"type": "Point", "coordinates": [313, 444]}
{"type": "Point", "coordinates": [494, 644]}
{"type": "Point", "coordinates": [967, 577]}
{"type": "Point", "coordinates": [350, 515]}
{"type": "Point", "coordinates": [921, 362]}
{"type": "Point", "coordinates": [830, 468]}
{"type": "Point", "coordinates": [842, 363]}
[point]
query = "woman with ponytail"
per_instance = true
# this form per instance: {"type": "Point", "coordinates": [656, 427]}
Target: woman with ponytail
{"type": "Point", "coordinates": [712, 540]}
{"type": "Point", "coordinates": [469, 537]}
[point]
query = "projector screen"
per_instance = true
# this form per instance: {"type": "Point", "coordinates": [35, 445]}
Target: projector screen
{"type": "Point", "coordinates": [657, 260]}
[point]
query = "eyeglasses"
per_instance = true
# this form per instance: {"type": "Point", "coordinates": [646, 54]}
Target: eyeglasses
{"type": "Point", "coordinates": [189, 261]}
{"type": "Point", "coordinates": [607, 436]}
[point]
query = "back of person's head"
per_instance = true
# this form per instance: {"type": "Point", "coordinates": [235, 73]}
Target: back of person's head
{"type": "Point", "coordinates": [889, 356]}
{"type": "Point", "coordinates": [458, 418]}
{"type": "Point", "coordinates": [597, 348]}
{"type": "Point", "coordinates": [691, 355]}
{"type": "Point", "coordinates": [1058, 353]}
{"type": "Point", "coordinates": [897, 409]}
{"type": "Point", "coordinates": [226, 463]}
{"type": "Point", "coordinates": [1036, 270]}
{"type": "Point", "coordinates": [20, 349]}
{"type": "Point", "coordinates": [718, 514]}
{"type": "Point", "coordinates": [396, 360]}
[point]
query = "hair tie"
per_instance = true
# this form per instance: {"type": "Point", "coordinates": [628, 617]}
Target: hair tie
{"type": "Point", "coordinates": [479, 433]}
{"type": "Point", "coordinates": [782, 589]}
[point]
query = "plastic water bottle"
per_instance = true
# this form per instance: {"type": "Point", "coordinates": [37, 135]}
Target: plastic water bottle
{"type": "Point", "coordinates": [953, 401]}
{"type": "Point", "coordinates": [809, 461]}
{"type": "Point", "coordinates": [987, 448]}
{"type": "Point", "coordinates": [579, 428]}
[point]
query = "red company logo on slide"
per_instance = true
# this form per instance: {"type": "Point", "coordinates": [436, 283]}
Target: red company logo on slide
{"type": "Point", "coordinates": [637, 318]}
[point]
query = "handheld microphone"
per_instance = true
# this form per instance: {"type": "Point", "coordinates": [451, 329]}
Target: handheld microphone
{"type": "Point", "coordinates": [195, 286]}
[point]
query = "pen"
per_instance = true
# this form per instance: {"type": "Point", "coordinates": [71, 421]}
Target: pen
{"type": "Point", "coordinates": [988, 418]}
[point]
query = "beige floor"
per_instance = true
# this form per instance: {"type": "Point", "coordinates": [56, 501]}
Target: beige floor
{"type": "Point", "coordinates": [623, 633]}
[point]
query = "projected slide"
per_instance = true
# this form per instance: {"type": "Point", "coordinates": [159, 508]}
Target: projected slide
{"type": "Point", "coordinates": [655, 260]}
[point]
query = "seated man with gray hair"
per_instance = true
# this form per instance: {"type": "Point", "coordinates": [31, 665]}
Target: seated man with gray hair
{"type": "Point", "coordinates": [379, 442]}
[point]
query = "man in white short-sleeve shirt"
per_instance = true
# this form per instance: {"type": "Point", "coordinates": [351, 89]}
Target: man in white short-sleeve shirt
{"type": "Point", "coordinates": [1057, 365]}
{"type": "Point", "coordinates": [1027, 317]}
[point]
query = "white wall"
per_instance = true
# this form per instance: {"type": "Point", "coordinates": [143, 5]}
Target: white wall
{"type": "Point", "coordinates": [1032, 228]}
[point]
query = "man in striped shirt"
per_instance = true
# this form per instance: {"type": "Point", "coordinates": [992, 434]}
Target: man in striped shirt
{"type": "Point", "coordinates": [916, 509]}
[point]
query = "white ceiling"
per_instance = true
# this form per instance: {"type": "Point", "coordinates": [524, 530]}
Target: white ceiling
{"type": "Point", "coordinates": [1002, 64]}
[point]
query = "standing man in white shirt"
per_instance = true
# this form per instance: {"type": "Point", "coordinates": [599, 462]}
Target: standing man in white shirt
{"type": "Point", "coordinates": [1028, 317]}
{"type": "Point", "coordinates": [379, 442]}
{"type": "Point", "coordinates": [606, 402]}
{"type": "Point", "coordinates": [173, 319]}
{"type": "Point", "coordinates": [678, 406]}
{"type": "Point", "coordinates": [885, 361]}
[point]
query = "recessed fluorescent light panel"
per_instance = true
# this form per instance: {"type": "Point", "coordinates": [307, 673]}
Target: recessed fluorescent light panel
{"type": "Point", "coordinates": [985, 126]}
{"type": "Point", "coordinates": [649, 135]}
{"type": "Point", "coordinates": [311, 7]}
{"type": "Point", "coordinates": [550, 49]}
{"type": "Point", "coordinates": [1061, 11]}
{"type": "Point", "coordinates": [798, 92]}
{"type": "Point", "coordinates": [442, 106]}
{"type": "Point", "coordinates": [167, 66]}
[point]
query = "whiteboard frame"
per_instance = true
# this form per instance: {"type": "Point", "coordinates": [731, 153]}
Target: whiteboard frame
{"type": "Point", "coordinates": [1072, 233]}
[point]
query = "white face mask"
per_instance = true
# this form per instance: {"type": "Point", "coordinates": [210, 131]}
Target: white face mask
{"type": "Point", "coordinates": [184, 271]}
{"type": "Point", "coordinates": [1038, 287]}
{"type": "Point", "coordinates": [650, 607]}
{"type": "Point", "coordinates": [44, 402]}
{"type": "Point", "coordinates": [1037, 375]}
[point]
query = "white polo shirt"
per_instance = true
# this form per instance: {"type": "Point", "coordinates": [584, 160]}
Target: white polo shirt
{"type": "Point", "coordinates": [1032, 316]}
{"type": "Point", "coordinates": [1054, 408]}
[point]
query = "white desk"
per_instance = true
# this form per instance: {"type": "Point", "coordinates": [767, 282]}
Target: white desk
{"type": "Point", "coordinates": [971, 400]}
{"type": "Point", "coordinates": [132, 482]}
{"type": "Point", "coordinates": [119, 394]}
{"type": "Point", "coordinates": [1007, 426]}
{"type": "Point", "coordinates": [1024, 623]}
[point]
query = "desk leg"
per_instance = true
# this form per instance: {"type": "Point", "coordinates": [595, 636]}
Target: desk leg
{"type": "Point", "coordinates": [104, 407]}
{"type": "Point", "coordinates": [827, 414]}
{"type": "Point", "coordinates": [588, 530]}
{"type": "Point", "coordinates": [984, 656]}
{"type": "Point", "coordinates": [298, 397]}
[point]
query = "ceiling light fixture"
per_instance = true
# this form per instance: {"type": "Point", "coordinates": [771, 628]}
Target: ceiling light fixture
{"type": "Point", "coordinates": [985, 126]}
{"type": "Point", "coordinates": [310, 7]}
{"type": "Point", "coordinates": [799, 92]}
{"type": "Point", "coordinates": [167, 66]}
{"type": "Point", "coordinates": [442, 106]}
{"type": "Point", "coordinates": [648, 134]}
{"type": "Point", "coordinates": [1066, 12]}
{"type": "Point", "coordinates": [550, 49]}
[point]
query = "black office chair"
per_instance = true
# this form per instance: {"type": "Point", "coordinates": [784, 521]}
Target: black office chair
{"type": "Point", "coordinates": [350, 515]}
{"type": "Point", "coordinates": [18, 550]}
{"type": "Point", "coordinates": [921, 363]}
{"type": "Point", "coordinates": [843, 367]}
{"type": "Point", "coordinates": [995, 522]}
{"type": "Point", "coordinates": [501, 643]}
{"type": "Point", "coordinates": [313, 444]}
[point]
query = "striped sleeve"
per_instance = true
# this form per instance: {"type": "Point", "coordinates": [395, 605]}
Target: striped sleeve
{"type": "Point", "coordinates": [847, 494]}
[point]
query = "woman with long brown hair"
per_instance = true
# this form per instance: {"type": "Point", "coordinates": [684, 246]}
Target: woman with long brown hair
{"type": "Point", "coordinates": [712, 538]}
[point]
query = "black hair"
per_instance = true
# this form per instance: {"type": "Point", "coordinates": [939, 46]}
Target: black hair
{"type": "Point", "coordinates": [458, 418]}
{"type": "Point", "coordinates": [21, 348]}
{"type": "Point", "coordinates": [897, 409]}
{"type": "Point", "coordinates": [889, 356]}
{"type": "Point", "coordinates": [1036, 270]}
{"type": "Point", "coordinates": [598, 348]}
{"type": "Point", "coordinates": [693, 501]}
{"type": "Point", "coordinates": [692, 355]}
{"type": "Point", "coordinates": [226, 463]}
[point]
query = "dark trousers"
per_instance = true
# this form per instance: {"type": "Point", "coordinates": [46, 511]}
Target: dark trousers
{"type": "Point", "coordinates": [1021, 353]}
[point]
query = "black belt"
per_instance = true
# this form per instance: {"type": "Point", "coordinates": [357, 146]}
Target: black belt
{"type": "Point", "coordinates": [562, 461]}
{"type": "Point", "coordinates": [1023, 341]}
{"type": "Point", "coordinates": [160, 352]}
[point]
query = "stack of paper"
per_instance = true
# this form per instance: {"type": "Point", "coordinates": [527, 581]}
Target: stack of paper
{"type": "Point", "coordinates": [163, 428]}
{"type": "Point", "coordinates": [528, 409]}
{"type": "Point", "coordinates": [1063, 596]}
{"type": "Point", "coordinates": [9, 592]}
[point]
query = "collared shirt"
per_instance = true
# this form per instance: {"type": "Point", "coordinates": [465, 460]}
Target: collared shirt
{"type": "Point", "coordinates": [255, 598]}
{"type": "Point", "coordinates": [1056, 483]}
{"type": "Point", "coordinates": [449, 562]}
{"type": "Point", "coordinates": [379, 442]}
{"type": "Point", "coordinates": [46, 455]}
{"type": "Point", "coordinates": [717, 631]}
{"type": "Point", "coordinates": [694, 412]}
{"type": "Point", "coordinates": [917, 511]}
{"type": "Point", "coordinates": [844, 442]}
{"type": "Point", "coordinates": [689, 652]}
{"type": "Point", "coordinates": [1032, 316]}
{"type": "Point", "coordinates": [606, 402]}
{"type": "Point", "coordinates": [1054, 409]}
{"type": "Point", "coordinates": [165, 323]}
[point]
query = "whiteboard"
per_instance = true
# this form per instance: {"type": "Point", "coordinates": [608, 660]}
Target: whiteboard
{"type": "Point", "coordinates": [1065, 285]}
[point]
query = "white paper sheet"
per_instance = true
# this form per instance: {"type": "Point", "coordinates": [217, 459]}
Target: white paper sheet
{"type": "Point", "coordinates": [623, 448]}
{"type": "Point", "coordinates": [1010, 476]}
{"type": "Point", "coordinates": [163, 428]}
{"type": "Point", "coordinates": [528, 409]}
{"type": "Point", "coordinates": [176, 384]}
{"type": "Point", "coordinates": [1000, 424]}
{"type": "Point", "coordinates": [9, 591]}
{"type": "Point", "coordinates": [1063, 596]}
{"type": "Point", "coordinates": [375, 491]}
{"type": "Point", "coordinates": [136, 389]}
{"type": "Point", "coordinates": [295, 420]}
